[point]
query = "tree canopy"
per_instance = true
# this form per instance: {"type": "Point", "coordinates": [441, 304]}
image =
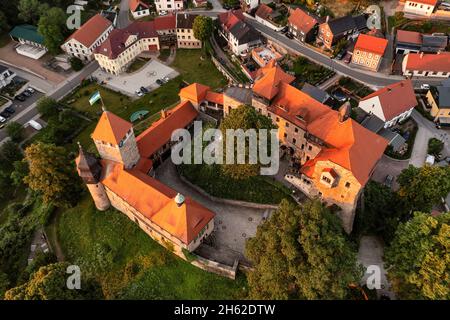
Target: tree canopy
{"type": "Point", "coordinates": [31, 10]}
{"type": "Point", "coordinates": [52, 26]}
{"type": "Point", "coordinates": [15, 131]}
{"type": "Point", "coordinates": [418, 259]}
{"type": "Point", "coordinates": [52, 174]}
{"type": "Point", "coordinates": [301, 253]}
{"type": "Point", "coordinates": [203, 28]}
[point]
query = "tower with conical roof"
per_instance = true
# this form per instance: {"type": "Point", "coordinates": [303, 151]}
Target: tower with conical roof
{"type": "Point", "coordinates": [115, 140]}
{"type": "Point", "coordinates": [90, 171]}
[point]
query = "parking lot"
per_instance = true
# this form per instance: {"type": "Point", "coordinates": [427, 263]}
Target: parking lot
{"type": "Point", "coordinates": [128, 83]}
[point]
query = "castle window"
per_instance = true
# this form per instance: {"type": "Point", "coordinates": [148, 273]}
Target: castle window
{"type": "Point", "coordinates": [347, 184]}
{"type": "Point", "coordinates": [309, 148]}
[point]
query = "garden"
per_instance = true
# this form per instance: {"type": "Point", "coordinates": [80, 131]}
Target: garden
{"type": "Point", "coordinates": [307, 71]}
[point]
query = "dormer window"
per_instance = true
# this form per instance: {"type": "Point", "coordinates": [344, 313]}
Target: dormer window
{"type": "Point", "coordinates": [329, 177]}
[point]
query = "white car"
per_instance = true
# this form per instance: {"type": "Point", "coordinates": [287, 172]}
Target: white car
{"type": "Point", "coordinates": [31, 90]}
{"type": "Point", "coordinates": [425, 86]}
{"type": "Point", "coordinates": [166, 79]}
{"type": "Point", "coordinates": [2, 119]}
{"type": "Point", "coordinates": [139, 93]}
{"type": "Point", "coordinates": [35, 125]}
{"type": "Point", "coordinates": [163, 13]}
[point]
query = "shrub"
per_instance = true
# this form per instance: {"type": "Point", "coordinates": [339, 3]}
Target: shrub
{"type": "Point", "coordinates": [76, 64]}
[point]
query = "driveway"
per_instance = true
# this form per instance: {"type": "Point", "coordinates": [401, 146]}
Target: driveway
{"type": "Point", "coordinates": [128, 83]}
{"type": "Point", "coordinates": [370, 253]}
{"type": "Point", "coordinates": [233, 224]}
{"type": "Point", "coordinates": [388, 166]}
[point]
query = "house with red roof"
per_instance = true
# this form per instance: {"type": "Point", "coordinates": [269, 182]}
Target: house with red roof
{"type": "Point", "coordinates": [391, 104]}
{"type": "Point", "coordinates": [139, 8]}
{"type": "Point", "coordinates": [420, 7]}
{"type": "Point", "coordinates": [268, 17]}
{"type": "Point", "coordinates": [368, 51]}
{"type": "Point", "coordinates": [426, 65]}
{"type": "Point", "coordinates": [227, 20]}
{"type": "Point", "coordinates": [123, 45]}
{"type": "Point", "coordinates": [120, 179]}
{"type": "Point", "coordinates": [302, 25]}
{"type": "Point", "coordinates": [83, 42]}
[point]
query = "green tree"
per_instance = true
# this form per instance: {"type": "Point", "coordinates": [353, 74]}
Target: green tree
{"type": "Point", "coordinates": [244, 117]}
{"type": "Point", "coordinates": [76, 64]}
{"type": "Point", "coordinates": [4, 284]}
{"type": "Point", "coordinates": [301, 253]}
{"type": "Point", "coordinates": [49, 283]}
{"type": "Point", "coordinates": [20, 171]}
{"type": "Point", "coordinates": [52, 174]}
{"type": "Point", "coordinates": [9, 153]}
{"type": "Point", "coordinates": [15, 131]}
{"type": "Point", "coordinates": [52, 26]}
{"type": "Point", "coordinates": [4, 25]}
{"type": "Point", "coordinates": [31, 10]}
{"type": "Point", "coordinates": [421, 188]}
{"type": "Point", "coordinates": [418, 259]}
{"type": "Point", "coordinates": [203, 28]}
{"type": "Point", "coordinates": [435, 146]}
{"type": "Point", "coordinates": [5, 186]}
{"type": "Point", "coordinates": [48, 107]}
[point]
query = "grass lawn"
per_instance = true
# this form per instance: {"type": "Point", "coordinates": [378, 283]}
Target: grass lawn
{"type": "Point", "coordinates": [129, 264]}
{"type": "Point", "coordinates": [137, 65]}
{"type": "Point", "coordinates": [259, 189]}
{"type": "Point", "coordinates": [3, 101]}
{"type": "Point", "coordinates": [164, 54]}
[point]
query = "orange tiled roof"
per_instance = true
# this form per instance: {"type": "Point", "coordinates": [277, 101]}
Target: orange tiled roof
{"type": "Point", "coordinates": [372, 44]}
{"type": "Point", "coordinates": [214, 97]}
{"type": "Point", "coordinates": [134, 4]}
{"type": "Point", "coordinates": [428, 62]}
{"type": "Point", "coordinates": [302, 20]}
{"type": "Point", "coordinates": [111, 128]}
{"type": "Point", "coordinates": [160, 132]}
{"type": "Point", "coordinates": [91, 30]}
{"type": "Point", "coordinates": [195, 92]}
{"type": "Point", "coordinates": [263, 11]}
{"type": "Point", "coordinates": [428, 2]}
{"type": "Point", "coordinates": [268, 80]}
{"type": "Point", "coordinates": [165, 22]}
{"type": "Point", "coordinates": [156, 201]}
{"type": "Point", "coordinates": [395, 98]}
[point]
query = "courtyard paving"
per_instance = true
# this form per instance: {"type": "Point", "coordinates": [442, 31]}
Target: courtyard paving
{"type": "Point", "coordinates": [128, 83]}
{"type": "Point", "coordinates": [389, 166]}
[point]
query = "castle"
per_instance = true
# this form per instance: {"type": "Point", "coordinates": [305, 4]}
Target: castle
{"type": "Point", "coordinates": [120, 178]}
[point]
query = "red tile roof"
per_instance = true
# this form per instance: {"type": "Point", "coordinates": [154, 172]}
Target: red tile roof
{"type": "Point", "coordinates": [214, 97]}
{"type": "Point", "coordinates": [91, 30]}
{"type": "Point", "coordinates": [230, 18]}
{"type": "Point", "coordinates": [156, 202]}
{"type": "Point", "coordinates": [409, 37]}
{"type": "Point", "coordinates": [160, 132]}
{"type": "Point", "coordinates": [165, 22]}
{"type": "Point", "coordinates": [428, 2]}
{"type": "Point", "coordinates": [428, 62]}
{"type": "Point", "coordinates": [268, 80]}
{"type": "Point", "coordinates": [263, 11]}
{"type": "Point", "coordinates": [302, 20]}
{"type": "Point", "coordinates": [195, 92]}
{"type": "Point", "coordinates": [111, 128]}
{"type": "Point", "coordinates": [372, 44]}
{"type": "Point", "coordinates": [114, 45]}
{"type": "Point", "coordinates": [395, 98]}
{"type": "Point", "coordinates": [134, 4]}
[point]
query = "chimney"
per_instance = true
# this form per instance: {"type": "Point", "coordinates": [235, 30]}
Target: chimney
{"type": "Point", "coordinates": [163, 113]}
{"type": "Point", "coordinates": [328, 18]}
{"type": "Point", "coordinates": [344, 111]}
{"type": "Point", "coordinates": [179, 200]}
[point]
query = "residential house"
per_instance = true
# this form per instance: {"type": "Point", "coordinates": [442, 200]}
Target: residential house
{"type": "Point", "coordinates": [434, 43]}
{"type": "Point", "coordinates": [123, 45]}
{"type": "Point", "coordinates": [314, 92]}
{"type": "Point", "coordinates": [303, 25]}
{"type": "Point", "coordinates": [249, 5]}
{"type": "Point", "coordinates": [227, 20]}
{"type": "Point", "coordinates": [169, 5]}
{"type": "Point", "coordinates": [331, 31]}
{"type": "Point", "coordinates": [83, 42]}
{"type": "Point", "coordinates": [426, 65]}
{"type": "Point", "coordinates": [31, 42]}
{"type": "Point", "coordinates": [121, 179]}
{"type": "Point", "coordinates": [243, 38]}
{"type": "Point", "coordinates": [391, 104]}
{"type": "Point", "coordinates": [6, 76]}
{"type": "Point", "coordinates": [408, 42]}
{"type": "Point", "coordinates": [166, 27]}
{"type": "Point", "coordinates": [202, 97]}
{"type": "Point", "coordinates": [263, 55]}
{"type": "Point", "coordinates": [139, 9]}
{"type": "Point", "coordinates": [268, 17]}
{"type": "Point", "coordinates": [185, 32]}
{"type": "Point", "coordinates": [368, 51]}
{"type": "Point", "coordinates": [438, 97]}
{"type": "Point", "coordinates": [420, 7]}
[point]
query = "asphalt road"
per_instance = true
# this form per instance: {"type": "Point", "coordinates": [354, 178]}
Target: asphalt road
{"type": "Point", "coordinates": [28, 111]}
{"type": "Point", "coordinates": [123, 20]}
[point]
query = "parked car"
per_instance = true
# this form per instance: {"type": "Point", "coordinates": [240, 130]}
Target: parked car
{"type": "Point", "coordinates": [2, 120]}
{"type": "Point", "coordinates": [425, 86]}
{"type": "Point", "coordinates": [20, 97]}
{"type": "Point", "coordinates": [339, 95]}
{"type": "Point", "coordinates": [166, 79]}
{"type": "Point", "coordinates": [160, 82]}
{"type": "Point", "coordinates": [10, 110]}
{"type": "Point", "coordinates": [27, 93]}
{"type": "Point", "coordinates": [139, 93]}
{"type": "Point", "coordinates": [289, 35]}
{"type": "Point", "coordinates": [5, 114]}
{"type": "Point", "coordinates": [2, 126]}
{"type": "Point", "coordinates": [347, 58]}
{"type": "Point", "coordinates": [35, 125]}
{"type": "Point", "coordinates": [429, 159]}
{"type": "Point", "coordinates": [144, 90]}
{"type": "Point", "coordinates": [163, 13]}
{"type": "Point", "coordinates": [341, 55]}
{"type": "Point", "coordinates": [388, 181]}
{"type": "Point", "coordinates": [285, 29]}
{"type": "Point", "coordinates": [31, 90]}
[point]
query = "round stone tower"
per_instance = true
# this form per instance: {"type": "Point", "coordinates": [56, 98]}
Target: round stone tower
{"type": "Point", "coordinates": [90, 171]}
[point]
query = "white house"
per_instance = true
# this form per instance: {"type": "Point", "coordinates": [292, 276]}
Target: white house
{"type": "Point", "coordinates": [93, 33]}
{"type": "Point", "coordinates": [427, 65]}
{"type": "Point", "coordinates": [6, 76]}
{"type": "Point", "coordinates": [391, 104]}
{"type": "Point", "coordinates": [139, 9]}
{"type": "Point", "coordinates": [249, 5]}
{"type": "Point", "coordinates": [168, 5]}
{"type": "Point", "coordinates": [243, 38]}
{"type": "Point", "coordinates": [265, 15]}
{"type": "Point", "coordinates": [420, 7]}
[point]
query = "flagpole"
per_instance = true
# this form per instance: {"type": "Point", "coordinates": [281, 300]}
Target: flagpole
{"type": "Point", "coordinates": [101, 99]}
